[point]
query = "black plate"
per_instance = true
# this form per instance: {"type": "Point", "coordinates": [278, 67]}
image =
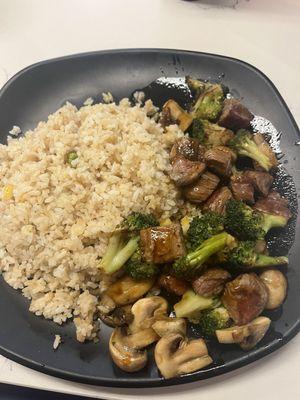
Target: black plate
{"type": "Point", "coordinates": [37, 91]}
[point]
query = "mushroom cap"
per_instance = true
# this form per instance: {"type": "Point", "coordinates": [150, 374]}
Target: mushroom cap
{"type": "Point", "coordinates": [126, 358]}
{"type": "Point", "coordinates": [126, 290]}
{"type": "Point", "coordinates": [276, 285]}
{"type": "Point", "coordinates": [247, 336]}
{"type": "Point", "coordinates": [175, 355]}
{"type": "Point", "coordinates": [167, 325]}
{"type": "Point", "coordinates": [146, 311]}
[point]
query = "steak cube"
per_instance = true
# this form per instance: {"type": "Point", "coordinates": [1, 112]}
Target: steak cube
{"type": "Point", "coordinates": [162, 244]}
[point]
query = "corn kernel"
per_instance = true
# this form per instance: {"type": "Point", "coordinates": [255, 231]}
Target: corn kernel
{"type": "Point", "coordinates": [8, 192]}
{"type": "Point", "coordinates": [165, 222]}
{"type": "Point", "coordinates": [185, 224]}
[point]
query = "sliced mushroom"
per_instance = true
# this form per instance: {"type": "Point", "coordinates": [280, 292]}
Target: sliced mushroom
{"type": "Point", "coordinates": [246, 336]}
{"type": "Point", "coordinates": [106, 305]}
{"type": "Point", "coordinates": [140, 339]}
{"type": "Point", "coordinates": [276, 285]}
{"type": "Point", "coordinates": [146, 311]}
{"type": "Point", "coordinates": [173, 113]}
{"type": "Point", "coordinates": [166, 325]}
{"type": "Point", "coordinates": [126, 290]}
{"type": "Point", "coordinates": [118, 317]}
{"type": "Point", "coordinates": [127, 351]}
{"type": "Point", "coordinates": [175, 355]}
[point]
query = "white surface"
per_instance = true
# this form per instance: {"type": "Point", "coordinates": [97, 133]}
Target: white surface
{"type": "Point", "coordinates": [265, 33]}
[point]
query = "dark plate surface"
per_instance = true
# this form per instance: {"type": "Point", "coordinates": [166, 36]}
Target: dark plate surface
{"type": "Point", "coordinates": [37, 91]}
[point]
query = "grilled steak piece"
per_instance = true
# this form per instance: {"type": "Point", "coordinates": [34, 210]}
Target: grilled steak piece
{"type": "Point", "coordinates": [235, 115]}
{"type": "Point", "coordinates": [162, 244]}
{"type": "Point", "coordinates": [187, 147]}
{"type": "Point", "coordinates": [262, 181]}
{"type": "Point", "coordinates": [217, 201]}
{"type": "Point", "coordinates": [184, 171]}
{"type": "Point", "coordinates": [245, 298]}
{"type": "Point", "coordinates": [241, 189]}
{"type": "Point", "coordinates": [201, 189]}
{"type": "Point", "coordinates": [219, 160]}
{"type": "Point", "coordinates": [172, 284]}
{"type": "Point", "coordinates": [273, 204]}
{"type": "Point", "coordinates": [211, 282]}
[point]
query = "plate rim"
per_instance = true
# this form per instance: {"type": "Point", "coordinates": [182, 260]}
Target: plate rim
{"type": "Point", "coordinates": [198, 375]}
{"type": "Point", "coordinates": [13, 78]}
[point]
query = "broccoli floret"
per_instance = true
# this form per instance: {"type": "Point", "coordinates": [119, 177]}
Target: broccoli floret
{"type": "Point", "coordinates": [203, 227]}
{"type": "Point", "coordinates": [270, 221]}
{"type": "Point", "coordinates": [191, 304]}
{"type": "Point", "coordinates": [244, 145]}
{"type": "Point", "coordinates": [124, 242]}
{"type": "Point", "coordinates": [209, 134]}
{"type": "Point", "coordinates": [244, 255]}
{"type": "Point", "coordinates": [211, 320]}
{"type": "Point", "coordinates": [190, 265]}
{"type": "Point", "coordinates": [246, 224]}
{"type": "Point", "coordinates": [137, 221]}
{"type": "Point", "coordinates": [210, 103]}
{"type": "Point", "coordinates": [215, 135]}
{"type": "Point", "coordinates": [196, 86]}
{"type": "Point", "coordinates": [197, 130]}
{"type": "Point", "coordinates": [241, 221]}
{"type": "Point", "coordinates": [138, 269]}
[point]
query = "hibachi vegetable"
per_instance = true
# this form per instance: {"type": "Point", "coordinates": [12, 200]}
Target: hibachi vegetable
{"type": "Point", "coordinates": [139, 269]}
{"type": "Point", "coordinates": [244, 255]}
{"type": "Point", "coordinates": [190, 265]}
{"type": "Point", "coordinates": [191, 304]}
{"type": "Point", "coordinates": [247, 224]}
{"type": "Point", "coordinates": [124, 242]}
{"type": "Point", "coordinates": [211, 320]}
{"type": "Point", "coordinates": [244, 145]}
{"type": "Point", "coordinates": [210, 103]}
{"type": "Point", "coordinates": [203, 227]}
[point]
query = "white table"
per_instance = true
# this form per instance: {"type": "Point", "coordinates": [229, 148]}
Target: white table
{"type": "Point", "coordinates": [265, 33]}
